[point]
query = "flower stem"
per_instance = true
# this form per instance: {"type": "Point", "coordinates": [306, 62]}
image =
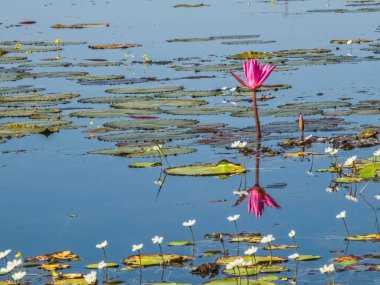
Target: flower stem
{"type": "Point", "coordinates": [294, 240]}
{"type": "Point", "coordinates": [192, 234]}
{"type": "Point", "coordinates": [140, 266]}
{"type": "Point", "coordinates": [162, 256]}
{"type": "Point", "coordinates": [256, 114]}
{"type": "Point", "coordinates": [271, 253]}
{"type": "Point", "coordinates": [238, 240]}
{"type": "Point", "coordinates": [105, 260]}
{"type": "Point", "coordinates": [345, 224]}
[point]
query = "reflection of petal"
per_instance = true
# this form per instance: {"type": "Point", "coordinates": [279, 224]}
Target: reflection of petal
{"type": "Point", "coordinates": [257, 198]}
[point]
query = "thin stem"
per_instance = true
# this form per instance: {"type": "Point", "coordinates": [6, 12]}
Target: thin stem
{"type": "Point", "coordinates": [271, 253]}
{"type": "Point", "coordinates": [105, 260]}
{"type": "Point", "coordinates": [222, 242]}
{"type": "Point", "coordinates": [256, 114]}
{"type": "Point", "coordinates": [345, 224]}
{"type": "Point", "coordinates": [192, 234]}
{"type": "Point", "coordinates": [332, 276]}
{"type": "Point", "coordinates": [140, 266]}
{"type": "Point", "coordinates": [162, 256]}
{"type": "Point", "coordinates": [294, 240]}
{"type": "Point", "coordinates": [296, 274]}
{"type": "Point", "coordinates": [238, 241]}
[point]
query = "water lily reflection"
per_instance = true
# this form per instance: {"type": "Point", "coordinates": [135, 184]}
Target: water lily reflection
{"type": "Point", "coordinates": [257, 199]}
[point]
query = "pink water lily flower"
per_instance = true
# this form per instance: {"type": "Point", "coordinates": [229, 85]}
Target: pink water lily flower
{"type": "Point", "coordinates": [257, 198]}
{"type": "Point", "coordinates": [255, 74]}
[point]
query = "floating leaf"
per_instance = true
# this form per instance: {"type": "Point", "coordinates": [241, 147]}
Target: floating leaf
{"type": "Point", "coordinates": [251, 54]}
{"type": "Point", "coordinates": [210, 253]}
{"type": "Point", "coordinates": [223, 167]}
{"type": "Point", "coordinates": [80, 26]}
{"type": "Point", "coordinates": [144, 164]}
{"type": "Point", "coordinates": [332, 170]}
{"type": "Point", "coordinates": [154, 137]}
{"type": "Point", "coordinates": [144, 90]}
{"type": "Point", "coordinates": [259, 259]}
{"type": "Point", "coordinates": [27, 112]}
{"type": "Point", "coordinates": [108, 265]}
{"type": "Point", "coordinates": [369, 171]}
{"type": "Point", "coordinates": [250, 238]}
{"type": "Point", "coordinates": [189, 5]}
{"type": "Point", "coordinates": [157, 103]}
{"type": "Point", "coordinates": [348, 179]}
{"type": "Point", "coordinates": [352, 41]}
{"type": "Point", "coordinates": [300, 153]}
{"type": "Point", "coordinates": [368, 237]}
{"type": "Point", "coordinates": [150, 124]}
{"type": "Point", "coordinates": [282, 246]}
{"type": "Point", "coordinates": [347, 260]}
{"type": "Point", "coordinates": [213, 38]}
{"type": "Point", "coordinates": [180, 243]}
{"type": "Point", "coordinates": [53, 257]}
{"type": "Point", "coordinates": [192, 93]}
{"type": "Point", "coordinates": [303, 257]}
{"type": "Point", "coordinates": [242, 281]}
{"type": "Point", "coordinates": [114, 46]}
{"type": "Point", "coordinates": [75, 281]}
{"type": "Point", "coordinates": [254, 270]}
{"type": "Point", "coordinates": [19, 89]}
{"type": "Point", "coordinates": [54, 267]}
{"type": "Point", "coordinates": [113, 113]}
{"type": "Point", "coordinates": [129, 151]}
{"type": "Point", "coordinates": [155, 260]}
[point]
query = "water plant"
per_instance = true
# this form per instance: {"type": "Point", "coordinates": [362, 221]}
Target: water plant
{"type": "Point", "coordinates": [255, 76]}
{"type": "Point", "coordinates": [268, 239]}
{"type": "Point", "coordinates": [342, 216]}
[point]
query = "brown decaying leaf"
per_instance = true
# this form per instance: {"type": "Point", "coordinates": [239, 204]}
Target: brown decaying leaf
{"type": "Point", "coordinates": [53, 257]}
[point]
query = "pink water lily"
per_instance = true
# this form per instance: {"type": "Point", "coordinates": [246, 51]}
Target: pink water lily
{"type": "Point", "coordinates": [255, 76]}
{"type": "Point", "coordinates": [257, 198]}
{"type": "Point", "coordinates": [254, 73]}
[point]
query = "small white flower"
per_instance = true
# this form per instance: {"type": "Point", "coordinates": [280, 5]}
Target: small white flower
{"type": "Point", "coordinates": [349, 42]}
{"type": "Point", "coordinates": [240, 193]}
{"type": "Point", "coordinates": [350, 161]}
{"type": "Point", "coordinates": [13, 264]}
{"type": "Point", "coordinates": [233, 103]}
{"type": "Point", "coordinates": [4, 253]}
{"type": "Point", "coordinates": [18, 275]}
{"type": "Point", "coordinates": [324, 269]}
{"type": "Point", "coordinates": [251, 251]}
{"type": "Point", "coordinates": [235, 144]}
{"type": "Point", "coordinates": [137, 247]}
{"type": "Point", "coordinates": [233, 218]}
{"type": "Point", "coordinates": [329, 189]}
{"type": "Point", "coordinates": [224, 88]}
{"type": "Point", "coordinates": [90, 277]}
{"type": "Point", "coordinates": [331, 267]}
{"type": "Point", "coordinates": [308, 137]}
{"type": "Point", "coordinates": [341, 215]}
{"type": "Point", "coordinates": [158, 182]}
{"type": "Point", "coordinates": [377, 197]}
{"type": "Point", "coordinates": [242, 144]}
{"type": "Point", "coordinates": [224, 101]}
{"type": "Point", "coordinates": [292, 234]}
{"type": "Point", "coordinates": [267, 239]}
{"type": "Point", "coordinates": [102, 245]}
{"type": "Point", "coordinates": [310, 173]}
{"type": "Point", "coordinates": [189, 223]}
{"type": "Point", "coordinates": [157, 239]}
{"type": "Point", "coordinates": [377, 153]}
{"type": "Point", "coordinates": [231, 265]}
{"type": "Point", "coordinates": [239, 261]}
{"type": "Point", "coordinates": [233, 89]}
{"type": "Point", "coordinates": [328, 150]}
{"type": "Point", "coordinates": [351, 198]}
{"type": "Point", "coordinates": [102, 264]}
{"type": "Point", "coordinates": [293, 256]}
{"type": "Point", "coordinates": [349, 54]}
{"type": "Point", "coordinates": [331, 151]}
{"type": "Point", "coordinates": [157, 147]}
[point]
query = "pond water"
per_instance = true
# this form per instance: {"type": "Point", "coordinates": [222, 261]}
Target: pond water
{"type": "Point", "coordinates": [56, 196]}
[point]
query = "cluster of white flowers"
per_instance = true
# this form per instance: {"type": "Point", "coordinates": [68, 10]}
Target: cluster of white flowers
{"type": "Point", "coordinates": [331, 151]}
{"type": "Point", "coordinates": [251, 251]}
{"type": "Point", "coordinates": [11, 265]}
{"type": "Point", "coordinates": [189, 223]}
{"type": "Point", "coordinates": [233, 218]}
{"type": "Point", "coordinates": [267, 239]}
{"type": "Point", "coordinates": [327, 268]}
{"type": "Point", "coordinates": [377, 197]}
{"type": "Point", "coordinates": [90, 278]}
{"type": "Point", "coordinates": [341, 215]}
{"type": "Point", "coordinates": [350, 161]}
{"type": "Point", "coordinates": [351, 198]}
{"type": "Point", "coordinates": [238, 144]}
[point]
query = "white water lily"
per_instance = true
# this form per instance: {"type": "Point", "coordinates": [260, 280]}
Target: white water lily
{"type": "Point", "coordinates": [341, 215]}
{"type": "Point", "coordinates": [350, 161]}
{"type": "Point", "coordinates": [157, 239]}
{"type": "Point", "coordinates": [233, 89]}
{"type": "Point", "coordinates": [102, 264]}
{"type": "Point", "coordinates": [251, 251]}
{"type": "Point", "coordinates": [377, 197]}
{"type": "Point", "coordinates": [102, 244]}
{"type": "Point", "coordinates": [158, 182]}
{"type": "Point", "coordinates": [233, 218]}
{"type": "Point", "coordinates": [240, 193]}
{"type": "Point", "coordinates": [351, 198]}
{"type": "Point", "coordinates": [377, 153]}
{"type": "Point", "coordinates": [308, 137]}
{"type": "Point", "coordinates": [293, 256]}
{"type": "Point", "coordinates": [324, 269]}
{"type": "Point", "coordinates": [292, 234]}
{"type": "Point", "coordinates": [233, 103]}
{"type": "Point", "coordinates": [267, 239]}
{"type": "Point", "coordinates": [329, 189]}
{"type": "Point", "coordinates": [13, 264]}
{"type": "Point", "coordinates": [224, 88]}
{"type": "Point", "coordinates": [18, 275]}
{"type": "Point", "coordinates": [137, 247]}
{"type": "Point", "coordinates": [331, 267]}
{"type": "Point", "coordinates": [246, 263]}
{"type": "Point", "coordinates": [349, 42]}
{"type": "Point", "coordinates": [238, 144]}
{"type": "Point", "coordinates": [4, 253]}
{"type": "Point", "coordinates": [331, 151]}
{"type": "Point", "coordinates": [90, 278]}
{"type": "Point", "coordinates": [189, 223]}
{"type": "Point", "coordinates": [157, 147]}
{"type": "Point", "coordinates": [310, 173]}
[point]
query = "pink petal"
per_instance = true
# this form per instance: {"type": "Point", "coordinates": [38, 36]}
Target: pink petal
{"type": "Point", "coordinates": [256, 202]}
{"type": "Point", "coordinates": [265, 74]}
{"type": "Point", "coordinates": [239, 79]}
{"type": "Point", "coordinates": [271, 202]}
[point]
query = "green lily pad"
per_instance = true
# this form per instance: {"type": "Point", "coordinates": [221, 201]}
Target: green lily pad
{"type": "Point", "coordinates": [347, 260]}
{"type": "Point", "coordinates": [128, 151]}
{"type": "Point", "coordinates": [110, 100]}
{"type": "Point", "coordinates": [13, 59]}
{"type": "Point", "coordinates": [144, 164]}
{"type": "Point", "coordinates": [98, 64]}
{"type": "Point", "coordinates": [308, 257]}
{"type": "Point", "coordinates": [113, 113]}
{"type": "Point", "coordinates": [251, 54]}
{"type": "Point", "coordinates": [30, 104]}
{"type": "Point", "coordinates": [74, 281]}
{"type": "Point", "coordinates": [230, 37]}
{"type": "Point", "coordinates": [250, 238]}
{"type": "Point", "coordinates": [210, 253]}
{"type": "Point", "coordinates": [27, 112]}
{"type": "Point", "coordinates": [332, 170]}
{"type": "Point", "coordinates": [150, 124]}
{"type": "Point", "coordinates": [157, 103]}
{"type": "Point", "coordinates": [54, 74]}
{"type": "Point", "coordinates": [180, 243]}
{"type": "Point", "coordinates": [47, 64]}
{"type": "Point", "coordinates": [79, 26]}
{"type": "Point", "coordinates": [20, 89]}
{"type": "Point", "coordinates": [162, 136]}
{"type": "Point", "coordinates": [368, 237]}
{"type": "Point", "coordinates": [282, 246]}
{"type": "Point", "coordinates": [348, 179]}
{"type": "Point", "coordinates": [192, 93]}
{"type": "Point", "coordinates": [247, 42]}
{"type": "Point", "coordinates": [155, 260]}
{"type": "Point", "coordinates": [34, 49]}
{"type": "Point", "coordinates": [96, 77]}
{"type": "Point", "coordinates": [259, 259]}
{"type": "Point", "coordinates": [197, 111]}
{"type": "Point", "coordinates": [283, 53]}
{"type": "Point", "coordinates": [54, 267]}
{"type": "Point", "coordinates": [223, 167]}
{"type": "Point", "coordinates": [41, 43]}
{"type": "Point", "coordinates": [144, 90]}
{"type": "Point", "coordinates": [189, 5]}
{"type": "Point", "coordinates": [37, 97]}
{"type": "Point", "coordinates": [369, 171]}
{"type": "Point", "coordinates": [96, 265]}
{"type": "Point", "coordinates": [254, 270]}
